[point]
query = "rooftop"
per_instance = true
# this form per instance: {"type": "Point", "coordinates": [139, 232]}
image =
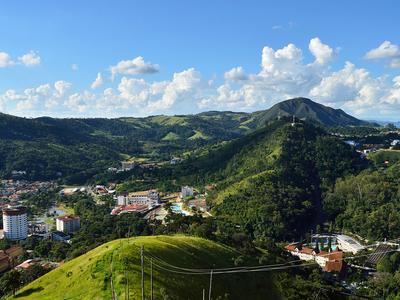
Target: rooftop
{"type": "Point", "coordinates": [68, 218]}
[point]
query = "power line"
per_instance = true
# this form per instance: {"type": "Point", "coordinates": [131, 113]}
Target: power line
{"type": "Point", "coordinates": [260, 269]}
{"type": "Point", "coordinates": [142, 262]}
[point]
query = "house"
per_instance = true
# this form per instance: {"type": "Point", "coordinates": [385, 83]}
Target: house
{"type": "Point", "coordinates": [328, 261]}
{"type": "Point", "coordinates": [351, 143]}
{"type": "Point", "coordinates": [60, 236]}
{"type": "Point", "coordinates": [7, 257]}
{"type": "Point", "coordinates": [175, 160]}
{"type": "Point", "coordinates": [127, 165]}
{"type": "Point", "coordinates": [5, 262]}
{"type": "Point", "coordinates": [36, 261]}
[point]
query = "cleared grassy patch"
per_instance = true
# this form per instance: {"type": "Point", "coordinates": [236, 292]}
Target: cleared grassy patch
{"type": "Point", "coordinates": [171, 136]}
{"type": "Point", "coordinates": [199, 135]}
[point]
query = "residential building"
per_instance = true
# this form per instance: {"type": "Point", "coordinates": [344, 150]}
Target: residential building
{"type": "Point", "coordinates": [131, 208]}
{"type": "Point", "coordinates": [60, 236]}
{"type": "Point", "coordinates": [328, 261]}
{"type": "Point", "coordinates": [186, 191]}
{"type": "Point", "coordinates": [175, 160]}
{"type": "Point", "coordinates": [8, 257]}
{"type": "Point", "coordinates": [127, 165]}
{"type": "Point", "coordinates": [15, 223]}
{"type": "Point", "coordinates": [68, 223]}
{"type": "Point", "coordinates": [149, 198]}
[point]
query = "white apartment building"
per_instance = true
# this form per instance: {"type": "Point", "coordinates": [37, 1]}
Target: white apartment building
{"type": "Point", "coordinates": [15, 223]}
{"type": "Point", "coordinates": [186, 191]}
{"type": "Point", "coordinates": [68, 223]}
{"type": "Point", "coordinates": [149, 198]}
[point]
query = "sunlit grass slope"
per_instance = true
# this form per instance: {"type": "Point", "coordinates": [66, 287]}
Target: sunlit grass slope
{"type": "Point", "coordinates": [89, 276]}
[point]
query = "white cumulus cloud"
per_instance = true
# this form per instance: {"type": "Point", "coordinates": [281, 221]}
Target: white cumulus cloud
{"type": "Point", "coordinates": [133, 67]}
{"type": "Point", "coordinates": [5, 60]}
{"type": "Point", "coordinates": [387, 51]}
{"type": "Point", "coordinates": [237, 73]}
{"type": "Point", "coordinates": [322, 52]}
{"type": "Point", "coordinates": [98, 82]}
{"type": "Point", "coordinates": [30, 59]}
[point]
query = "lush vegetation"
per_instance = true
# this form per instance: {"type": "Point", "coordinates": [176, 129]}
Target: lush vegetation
{"type": "Point", "coordinates": [367, 204]}
{"type": "Point", "coordinates": [89, 276]}
{"type": "Point", "coordinates": [271, 183]}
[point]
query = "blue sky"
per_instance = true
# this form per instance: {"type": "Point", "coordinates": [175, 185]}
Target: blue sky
{"type": "Point", "coordinates": [186, 51]}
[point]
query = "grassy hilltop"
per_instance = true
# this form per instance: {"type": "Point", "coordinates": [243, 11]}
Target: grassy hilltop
{"type": "Point", "coordinates": [88, 276]}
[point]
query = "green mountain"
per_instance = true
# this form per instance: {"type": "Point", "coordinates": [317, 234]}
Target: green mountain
{"type": "Point", "coordinates": [306, 109]}
{"type": "Point", "coordinates": [77, 149]}
{"type": "Point", "coordinates": [271, 182]}
{"type": "Point", "coordinates": [89, 276]}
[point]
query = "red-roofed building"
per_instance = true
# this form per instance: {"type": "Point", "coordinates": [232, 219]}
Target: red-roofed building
{"type": "Point", "coordinates": [132, 208]}
{"type": "Point", "coordinates": [329, 261]}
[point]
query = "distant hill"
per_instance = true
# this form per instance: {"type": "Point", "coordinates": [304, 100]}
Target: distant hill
{"type": "Point", "coordinates": [89, 276]}
{"type": "Point", "coordinates": [306, 109]}
{"type": "Point", "coordinates": [77, 149]}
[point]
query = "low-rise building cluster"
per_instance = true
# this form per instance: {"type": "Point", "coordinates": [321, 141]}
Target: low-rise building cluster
{"type": "Point", "coordinates": [12, 190]}
{"type": "Point", "coordinates": [139, 202]}
{"type": "Point", "coordinates": [328, 261]}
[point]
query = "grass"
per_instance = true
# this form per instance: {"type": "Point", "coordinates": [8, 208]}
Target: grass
{"type": "Point", "coordinates": [89, 276]}
{"type": "Point", "coordinates": [68, 210]}
{"type": "Point", "coordinates": [199, 135]}
{"type": "Point", "coordinates": [379, 157]}
{"type": "Point", "coordinates": [171, 136]}
{"type": "Point", "coordinates": [169, 120]}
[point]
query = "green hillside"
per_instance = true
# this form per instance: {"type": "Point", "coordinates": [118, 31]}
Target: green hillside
{"type": "Point", "coordinates": [272, 181]}
{"type": "Point", "coordinates": [89, 276]}
{"type": "Point", "coordinates": [75, 149]}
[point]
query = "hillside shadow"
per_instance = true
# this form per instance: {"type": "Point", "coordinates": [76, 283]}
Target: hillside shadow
{"type": "Point", "coordinates": [28, 292]}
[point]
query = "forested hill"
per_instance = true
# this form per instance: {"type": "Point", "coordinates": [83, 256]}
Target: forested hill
{"type": "Point", "coordinates": [271, 182]}
{"type": "Point", "coordinates": [76, 149]}
{"type": "Point", "coordinates": [306, 109]}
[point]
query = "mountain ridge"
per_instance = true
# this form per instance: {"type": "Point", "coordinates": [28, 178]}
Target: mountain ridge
{"type": "Point", "coordinates": [46, 147]}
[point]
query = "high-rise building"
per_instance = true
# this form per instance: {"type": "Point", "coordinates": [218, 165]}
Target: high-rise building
{"type": "Point", "coordinates": [186, 191]}
{"type": "Point", "coordinates": [68, 223]}
{"type": "Point", "coordinates": [15, 223]}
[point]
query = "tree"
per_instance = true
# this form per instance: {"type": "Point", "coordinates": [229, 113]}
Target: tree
{"type": "Point", "coordinates": [10, 282]}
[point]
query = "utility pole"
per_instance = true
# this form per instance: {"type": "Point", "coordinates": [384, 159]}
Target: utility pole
{"type": "Point", "coordinates": [126, 285]}
{"type": "Point", "coordinates": [111, 282]}
{"type": "Point", "coordinates": [209, 291]}
{"type": "Point", "coordinates": [127, 280]}
{"type": "Point", "coordinates": [142, 261]}
{"type": "Point", "coordinates": [151, 279]}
